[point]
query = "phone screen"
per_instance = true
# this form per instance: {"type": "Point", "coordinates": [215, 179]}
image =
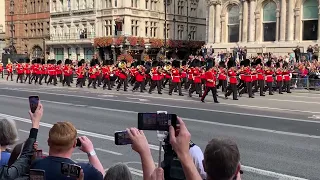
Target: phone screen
{"type": "Point", "coordinates": [33, 101]}
{"type": "Point", "coordinates": [122, 138]}
{"type": "Point", "coordinates": [70, 170]}
{"type": "Point", "coordinates": [154, 121]}
{"type": "Point", "coordinates": [36, 174]}
{"type": "Point", "coordinates": [38, 154]}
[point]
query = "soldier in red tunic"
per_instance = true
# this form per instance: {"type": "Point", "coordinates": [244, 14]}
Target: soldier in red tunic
{"type": "Point", "coordinates": [9, 68]}
{"type": "Point", "coordinates": [155, 77]}
{"type": "Point", "coordinates": [196, 85]}
{"type": "Point", "coordinates": [260, 77]}
{"type": "Point", "coordinates": [92, 75]}
{"type": "Point", "coordinates": [140, 78]}
{"type": "Point", "coordinates": [286, 77]}
{"type": "Point", "coordinates": [59, 70]}
{"type": "Point", "coordinates": [210, 77]}
{"type": "Point", "coordinates": [106, 74]}
{"type": "Point", "coordinates": [20, 70]}
{"type": "Point", "coordinates": [232, 74]}
{"type": "Point", "coordinates": [52, 72]}
{"type": "Point", "coordinates": [222, 76]}
{"type": "Point", "coordinates": [175, 78]}
{"type": "Point", "coordinates": [67, 73]}
{"type": "Point", "coordinates": [278, 74]}
{"type": "Point", "coordinates": [269, 77]}
{"type": "Point", "coordinates": [27, 71]}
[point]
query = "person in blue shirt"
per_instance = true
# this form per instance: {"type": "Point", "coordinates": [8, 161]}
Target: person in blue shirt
{"type": "Point", "coordinates": [62, 142]}
{"type": "Point", "coordinates": [8, 137]}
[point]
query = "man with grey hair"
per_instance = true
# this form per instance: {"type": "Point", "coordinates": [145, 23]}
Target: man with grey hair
{"type": "Point", "coordinates": [8, 136]}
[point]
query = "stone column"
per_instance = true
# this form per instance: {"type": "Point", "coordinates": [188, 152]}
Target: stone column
{"type": "Point", "coordinates": [258, 27]}
{"type": "Point", "coordinates": [240, 26]}
{"type": "Point", "coordinates": [252, 22]}
{"type": "Point", "coordinates": [319, 22]}
{"type": "Point", "coordinates": [297, 24]}
{"type": "Point", "coordinates": [277, 25]}
{"type": "Point", "coordinates": [290, 30]}
{"type": "Point", "coordinates": [283, 20]}
{"type": "Point", "coordinates": [218, 23]}
{"type": "Point", "coordinates": [245, 12]}
{"type": "Point", "coordinates": [211, 21]}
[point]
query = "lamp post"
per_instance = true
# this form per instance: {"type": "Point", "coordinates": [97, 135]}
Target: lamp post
{"type": "Point", "coordinates": [11, 27]}
{"type": "Point", "coordinates": [165, 28]}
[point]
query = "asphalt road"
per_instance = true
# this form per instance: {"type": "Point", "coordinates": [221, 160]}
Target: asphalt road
{"type": "Point", "coordinates": [278, 136]}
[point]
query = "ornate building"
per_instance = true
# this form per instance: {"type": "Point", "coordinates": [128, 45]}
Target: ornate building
{"type": "Point", "coordinates": [263, 26]}
{"type": "Point", "coordinates": [185, 21]}
{"type": "Point", "coordinates": [30, 25]}
{"type": "Point", "coordinates": [72, 29]}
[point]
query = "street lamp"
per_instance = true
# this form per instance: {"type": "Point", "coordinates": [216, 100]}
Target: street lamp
{"type": "Point", "coordinates": [11, 49]}
{"type": "Point", "coordinates": [166, 3]}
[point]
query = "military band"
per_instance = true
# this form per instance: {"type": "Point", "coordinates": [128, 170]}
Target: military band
{"type": "Point", "coordinates": [194, 75]}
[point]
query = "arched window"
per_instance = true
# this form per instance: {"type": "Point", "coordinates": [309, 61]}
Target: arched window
{"type": "Point", "coordinates": [233, 24]}
{"type": "Point", "coordinates": [88, 53]}
{"type": "Point", "coordinates": [310, 20]}
{"type": "Point", "coordinates": [37, 52]}
{"type": "Point", "coordinates": [269, 21]}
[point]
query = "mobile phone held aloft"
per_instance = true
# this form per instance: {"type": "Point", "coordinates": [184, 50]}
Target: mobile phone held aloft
{"type": "Point", "coordinates": [37, 174]}
{"type": "Point", "coordinates": [33, 101]}
{"type": "Point", "coordinates": [155, 121]}
{"type": "Point", "coordinates": [38, 154]}
{"type": "Point", "coordinates": [122, 138]}
{"type": "Point", "coordinates": [70, 170]}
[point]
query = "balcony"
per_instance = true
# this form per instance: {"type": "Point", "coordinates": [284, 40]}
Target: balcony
{"type": "Point", "coordinates": [72, 38]}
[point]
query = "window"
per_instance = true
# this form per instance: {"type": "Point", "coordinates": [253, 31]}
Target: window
{"type": "Point", "coordinates": [233, 24]}
{"type": "Point", "coordinates": [167, 31]}
{"type": "Point", "coordinates": [193, 31]}
{"type": "Point", "coordinates": [180, 32]}
{"type": "Point", "coordinates": [54, 6]}
{"type": "Point", "coordinates": [61, 5]}
{"type": "Point", "coordinates": [180, 7]}
{"type": "Point", "coordinates": [147, 29]}
{"type": "Point", "coordinates": [153, 5]}
{"type": "Point", "coordinates": [108, 3]}
{"type": "Point", "coordinates": [26, 30]}
{"type": "Point", "coordinates": [134, 27]}
{"type": "Point", "coordinates": [310, 20]}
{"type": "Point", "coordinates": [153, 29]}
{"type": "Point", "coordinates": [147, 4]}
{"type": "Point", "coordinates": [134, 3]}
{"type": "Point", "coordinates": [269, 21]}
{"type": "Point", "coordinates": [115, 3]}
{"type": "Point", "coordinates": [108, 27]}
{"type": "Point", "coordinates": [77, 5]}
{"type": "Point", "coordinates": [193, 8]}
{"type": "Point", "coordinates": [26, 6]}
{"type": "Point", "coordinates": [47, 6]}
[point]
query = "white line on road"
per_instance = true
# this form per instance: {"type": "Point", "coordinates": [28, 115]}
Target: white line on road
{"type": "Point", "coordinates": [181, 107]}
{"type": "Point", "coordinates": [24, 131]}
{"type": "Point", "coordinates": [213, 123]}
{"type": "Point", "coordinates": [108, 151]}
{"type": "Point", "coordinates": [270, 173]}
{"type": "Point", "coordinates": [143, 100]}
{"type": "Point", "coordinates": [283, 100]}
{"type": "Point", "coordinates": [154, 147]}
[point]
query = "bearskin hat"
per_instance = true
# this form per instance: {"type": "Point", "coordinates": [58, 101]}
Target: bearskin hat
{"type": "Point", "coordinates": [28, 60]}
{"type": "Point", "coordinates": [268, 63]}
{"type": "Point", "coordinates": [196, 63]}
{"type": "Point", "coordinates": [53, 61]}
{"type": "Point", "coordinates": [222, 64]}
{"type": "Point", "coordinates": [38, 60]}
{"type": "Point", "coordinates": [285, 64]}
{"type": "Point", "coordinates": [92, 63]}
{"type": "Point", "coordinates": [231, 64]}
{"type": "Point", "coordinates": [79, 63]}
{"type": "Point", "coordinates": [184, 63]}
{"type": "Point", "coordinates": [43, 61]}
{"type": "Point", "coordinates": [20, 60]}
{"type": "Point", "coordinates": [246, 62]}
{"type": "Point", "coordinates": [176, 63]}
{"type": "Point", "coordinates": [209, 63]}
{"type": "Point", "coordinates": [277, 65]}
{"type": "Point", "coordinates": [258, 61]}
{"type": "Point", "coordinates": [59, 62]}
{"type": "Point", "coordinates": [155, 63]}
{"type": "Point", "coordinates": [67, 61]}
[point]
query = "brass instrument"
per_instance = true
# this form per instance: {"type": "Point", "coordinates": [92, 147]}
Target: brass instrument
{"type": "Point", "coordinates": [167, 67]}
{"type": "Point", "coordinates": [122, 65]}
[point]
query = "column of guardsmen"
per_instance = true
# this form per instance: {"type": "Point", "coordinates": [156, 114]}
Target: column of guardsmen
{"type": "Point", "coordinates": [193, 75]}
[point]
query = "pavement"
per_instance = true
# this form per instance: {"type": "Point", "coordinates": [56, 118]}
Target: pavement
{"type": "Point", "coordinates": [278, 136]}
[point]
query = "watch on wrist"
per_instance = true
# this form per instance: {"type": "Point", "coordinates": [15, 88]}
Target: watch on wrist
{"type": "Point", "coordinates": [92, 153]}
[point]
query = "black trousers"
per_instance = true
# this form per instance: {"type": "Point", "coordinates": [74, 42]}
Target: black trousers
{"type": "Point", "coordinates": [106, 82]}
{"type": "Point", "coordinates": [60, 77]}
{"type": "Point", "coordinates": [137, 85]}
{"type": "Point", "coordinates": [66, 80]}
{"type": "Point", "coordinates": [36, 78]}
{"type": "Point", "coordinates": [80, 82]}
{"type": "Point", "coordinates": [54, 78]}
{"type": "Point", "coordinates": [166, 81]}
{"type": "Point", "coordinates": [2, 74]}
{"type": "Point", "coordinates": [286, 86]}
{"type": "Point", "coordinates": [92, 81]}
{"type": "Point", "coordinates": [124, 82]}
{"type": "Point", "coordinates": [223, 84]}
{"type": "Point", "coordinates": [279, 86]}
{"type": "Point", "coordinates": [261, 86]}
{"type": "Point", "coordinates": [155, 84]}
{"type": "Point", "coordinates": [269, 86]}
{"type": "Point", "coordinates": [188, 84]}
{"type": "Point", "coordinates": [20, 76]}
{"type": "Point", "coordinates": [175, 85]}
{"type": "Point", "coordinates": [10, 74]}
{"type": "Point", "coordinates": [232, 88]}
{"type": "Point", "coordinates": [28, 76]}
{"type": "Point", "coordinates": [213, 91]}
{"type": "Point", "coordinates": [196, 87]}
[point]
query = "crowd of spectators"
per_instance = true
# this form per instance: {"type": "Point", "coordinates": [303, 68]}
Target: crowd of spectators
{"type": "Point", "coordinates": [220, 160]}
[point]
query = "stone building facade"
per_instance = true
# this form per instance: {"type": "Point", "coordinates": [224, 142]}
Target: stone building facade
{"type": "Point", "coordinates": [186, 19]}
{"type": "Point", "coordinates": [30, 26]}
{"type": "Point", "coordinates": [263, 26]}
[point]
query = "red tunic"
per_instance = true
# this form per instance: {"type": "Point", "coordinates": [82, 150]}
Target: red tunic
{"type": "Point", "coordinates": [286, 75]}
{"type": "Point", "coordinates": [27, 69]}
{"type": "Point", "coordinates": [175, 75]}
{"type": "Point", "coordinates": [210, 77]}
{"type": "Point", "coordinates": [247, 75]}
{"type": "Point", "coordinates": [260, 72]}
{"type": "Point", "coordinates": [155, 75]}
{"type": "Point", "coordinates": [232, 77]}
{"type": "Point", "coordinates": [20, 69]}
{"type": "Point", "coordinates": [196, 75]}
{"type": "Point", "coordinates": [279, 75]}
{"type": "Point", "coordinates": [222, 74]}
{"type": "Point", "coordinates": [91, 74]}
{"type": "Point", "coordinates": [106, 72]}
{"type": "Point", "coordinates": [140, 76]}
{"type": "Point", "coordinates": [269, 77]}
{"type": "Point", "coordinates": [9, 68]}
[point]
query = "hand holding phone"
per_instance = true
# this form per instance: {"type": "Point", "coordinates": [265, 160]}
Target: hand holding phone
{"type": "Point", "coordinates": [156, 121]}
{"type": "Point", "coordinates": [122, 138]}
{"type": "Point", "coordinates": [34, 102]}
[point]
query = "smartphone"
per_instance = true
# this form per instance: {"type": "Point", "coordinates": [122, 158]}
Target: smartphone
{"type": "Point", "coordinates": [33, 101]}
{"type": "Point", "coordinates": [78, 143]}
{"type": "Point", "coordinates": [70, 170]}
{"type": "Point", "coordinates": [38, 154]}
{"type": "Point", "coordinates": [156, 121]}
{"type": "Point", "coordinates": [122, 138]}
{"type": "Point", "coordinates": [37, 174]}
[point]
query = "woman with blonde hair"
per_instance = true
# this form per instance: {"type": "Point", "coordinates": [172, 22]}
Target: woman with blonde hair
{"type": "Point", "coordinates": [8, 137]}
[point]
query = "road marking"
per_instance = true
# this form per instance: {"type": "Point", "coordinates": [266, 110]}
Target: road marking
{"type": "Point", "coordinates": [136, 171]}
{"type": "Point", "coordinates": [270, 173]}
{"type": "Point", "coordinates": [173, 106]}
{"type": "Point", "coordinates": [24, 131]}
{"type": "Point", "coordinates": [154, 147]}
{"type": "Point", "coordinates": [143, 100]}
{"type": "Point", "coordinates": [108, 151]}
{"type": "Point", "coordinates": [283, 100]}
{"type": "Point", "coordinates": [215, 123]}
{"type": "Point", "coordinates": [106, 95]}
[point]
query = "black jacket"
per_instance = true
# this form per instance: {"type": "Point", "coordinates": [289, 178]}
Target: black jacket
{"type": "Point", "coordinates": [22, 165]}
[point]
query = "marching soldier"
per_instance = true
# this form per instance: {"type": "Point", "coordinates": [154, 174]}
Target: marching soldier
{"type": "Point", "coordinates": [210, 77]}
{"type": "Point", "coordinates": [232, 74]}
{"type": "Point", "coordinates": [269, 77]}
{"type": "Point", "coordinates": [176, 78]}
{"type": "Point", "coordinates": [140, 77]}
{"type": "Point", "coordinates": [81, 71]}
{"type": "Point", "coordinates": [9, 68]}
{"type": "Point", "coordinates": [167, 74]}
{"type": "Point", "coordinates": [59, 71]}
{"type": "Point", "coordinates": [123, 75]}
{"type": "Point", "coordinates": [260, 78]}
{"type": "Point", "coordinates": [27, 71]}
{"type": "Point", "coordinates": [278, 74]}
{"type": "Point", "coordinates": [184, 74]}
{"type": "Point", "coordinates": [52, 72]}
{"type": "Point", "coordinates": [67, 73]}
{"type": "Point", "coordinates": [20, 71]}
{"type": "Point", "coordinates": [155, 77]}
{"type": "Point", "coordinates": [286, 77]}
{"type": "Point", "coordinates": [42, 71]}
{"type": "Point", "coordinates": [92, 75]}
{"type": "Point", "coordinates": [106, 71]}
{"type": "Point", "coordinates": [196, 85]}
{"type": "Point", "coordinates": [222, 77]}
